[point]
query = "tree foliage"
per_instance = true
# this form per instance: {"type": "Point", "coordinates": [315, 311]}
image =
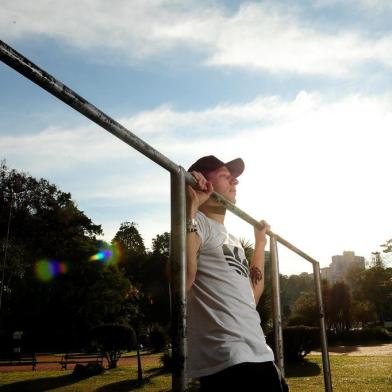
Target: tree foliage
{"type": "Point", "coordinates": [133, 248]}
{"type": "Point", "coordinates": [292, 287]}
{"type": "Point", "coordinates": [161, 244]}
{"type": "Point", "coordinates": [113, 340]}
{"type": "Point", "coordinates": [375, 287]}
{"type": "Point", "coordinates": [129, 238]}
{"type": "Point", "coordinates": [47, 230]}
{"type": "Point", "coordinates": [304, 311]}
{"type": "Point", "coordinates": [338, 307]}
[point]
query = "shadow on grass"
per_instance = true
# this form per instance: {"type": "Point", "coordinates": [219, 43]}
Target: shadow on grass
{"type": "Point", "coordinates": [41, 384]}
{"type": "Point", "coordinates": [157, 371]}
{"type": "Point", "coordinates": [123, 386]}
{"type": "Point", "coordinates": [342, 349]}
{"type": "Point", "coordinates": [303, 369]}
{"type": "Point", "coordinates": [130, 385]}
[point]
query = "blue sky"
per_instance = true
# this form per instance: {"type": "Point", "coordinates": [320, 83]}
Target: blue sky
{"type": "Point", "coordinates": [300, 90]}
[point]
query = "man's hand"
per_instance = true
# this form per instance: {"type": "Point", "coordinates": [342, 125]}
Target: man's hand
{"type": "Point", "coordinates": [198, 194]}
{"type": "Point", "coordinates": [260, 235]}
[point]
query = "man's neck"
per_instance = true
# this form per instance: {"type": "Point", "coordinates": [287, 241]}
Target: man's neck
{"type": "Point", "coordinates": [215, 212]}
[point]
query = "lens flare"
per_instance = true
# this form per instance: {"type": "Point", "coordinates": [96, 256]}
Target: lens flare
{"type": "Point", "coordinates": [47, 269]}
{"type": "Point", "coordinates": [109, 254]}
{"type": "Point", "coordinates": [102, 255]}
{"type": "Point", "coordinates": [117, 252]}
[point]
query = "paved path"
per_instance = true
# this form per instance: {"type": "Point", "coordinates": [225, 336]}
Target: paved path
{"type": "Point", "coordinates": [51, 362]}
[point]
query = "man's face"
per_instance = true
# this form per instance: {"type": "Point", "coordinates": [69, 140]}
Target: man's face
{"type": "Point", "coordinates": [223, 183]}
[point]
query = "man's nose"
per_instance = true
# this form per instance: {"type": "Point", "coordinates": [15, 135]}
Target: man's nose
{"type": "Point", "coordinates": [234, 180]}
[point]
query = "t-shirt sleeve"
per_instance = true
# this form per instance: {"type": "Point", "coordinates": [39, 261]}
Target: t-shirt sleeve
{"type": "Point", "coordinates": [203, 227]}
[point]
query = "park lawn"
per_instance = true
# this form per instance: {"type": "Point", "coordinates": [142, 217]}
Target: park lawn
{"type": "Point", "coordinates": [349, 374]}
{"type": "Point", "coordinates": [120, 379]}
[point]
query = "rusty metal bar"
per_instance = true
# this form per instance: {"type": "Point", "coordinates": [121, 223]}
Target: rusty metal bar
{"type": "Point", "coordinates": [323, 331]}
{"type": "Point", "coordinates": [276, 308]}
{"type": "Point", "coordinates": [177, 273]}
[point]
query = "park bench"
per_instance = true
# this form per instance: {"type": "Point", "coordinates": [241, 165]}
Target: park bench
{"type": "Point", "coordinates": [18, 359]}
{"type": "Point", "coordinates": [69, 359]}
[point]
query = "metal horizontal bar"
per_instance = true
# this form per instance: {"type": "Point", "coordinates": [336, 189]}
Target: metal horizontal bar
{"type": "Point", "coordinates": [299, 252]}
{"type": "Point", "coordinates": [49, 83]}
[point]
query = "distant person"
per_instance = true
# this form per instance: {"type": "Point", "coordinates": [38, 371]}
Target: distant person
{"type": "Point", "coordinates": [227, 350]}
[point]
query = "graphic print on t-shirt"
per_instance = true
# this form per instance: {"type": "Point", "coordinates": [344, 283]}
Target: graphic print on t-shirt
{"type": "Point", "coordinates": [236, 259]}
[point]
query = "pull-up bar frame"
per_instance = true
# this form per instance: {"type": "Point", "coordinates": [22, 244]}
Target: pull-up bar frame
{"type": "Point", "coordinates": [178, 245]}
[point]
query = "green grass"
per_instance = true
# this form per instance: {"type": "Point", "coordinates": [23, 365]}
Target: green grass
{"type": "Point", "coordinates": [349, 374]}
{"type": "Point", "coordinates": [120, 379]}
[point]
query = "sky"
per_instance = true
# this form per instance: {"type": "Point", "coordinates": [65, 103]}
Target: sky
{"type": "Point", "coordinates": [300, 90]}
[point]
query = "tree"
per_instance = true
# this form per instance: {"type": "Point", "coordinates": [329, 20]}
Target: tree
{"type": "Point", "coordinates": [130, 239]}
{"type": "Point", "coordinates": [305, 310]}
{"type": "Point", "coordinates": [154, 282]}
{"type": "Point", "coordinates": [292, 288]}
{"type": "Point", "coordinates": [136, 308]}
{"type": "Point", "coordinates": [132, 244]}
{"type": "Point", "coordinates": [387, 246]}
{"type": "Point", "coordinates": [161, 244]}
{"type": "Point", "coordinates": [59, 305]}
{"type": "Point", "coordinates": [338, 305]}
{"type": "Point", "coordinates": [376, 287]}
{"type": "Point", "coordinates": [363, 312]}
{"type": "Point", "coordinates": [113, 340]}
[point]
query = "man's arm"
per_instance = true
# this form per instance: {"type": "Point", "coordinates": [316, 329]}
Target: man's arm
{"type": "Point", "coordinates": [256, 270]}
{"type": "Point", "coordinates": [193, 243]}
{"type": "Point", "coordinates": [195, 197]}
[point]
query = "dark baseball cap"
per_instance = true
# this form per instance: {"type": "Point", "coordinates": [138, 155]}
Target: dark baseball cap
{"type": "Point", "coordinates": [210, 163]}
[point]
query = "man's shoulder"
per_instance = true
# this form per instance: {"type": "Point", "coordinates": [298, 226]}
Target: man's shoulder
{"type": "Point", "coordinates": [200, 215]}
{"type": "Point", "coordinates": [202, 219]}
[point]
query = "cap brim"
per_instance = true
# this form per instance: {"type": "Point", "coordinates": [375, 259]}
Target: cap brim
{"type": "Point", "coordinates": [236, 167]}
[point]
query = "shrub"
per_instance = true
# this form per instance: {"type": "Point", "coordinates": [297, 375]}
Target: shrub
{"type": "Point", "coordinates": [112, 340]}
{"type": "Point", "coordinates": [298, 341]}
{"type": "Point", "coordinates": [166, 360]}
{"type": "Point", "coordinates": [91, 369]}
{"type": "Point", "coordinates": [158, 338]}
{"type": "Point", "coordinates": [5, 343]}
{"type": "Point", "coordinates": [362, 336]}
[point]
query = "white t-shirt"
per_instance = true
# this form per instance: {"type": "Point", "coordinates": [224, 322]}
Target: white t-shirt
{"type": "Point", "coordinates": [223, 323]}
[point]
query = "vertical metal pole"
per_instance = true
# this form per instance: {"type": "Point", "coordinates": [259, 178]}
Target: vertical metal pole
{"type": "Point", "coordinates": [5, 253]}
{"type": "Point", "coordinates": [276, 308]}
{"type": "Point", "coordinates": [323, 331]}
{"type": "Point", "coordinates": [178, 290]}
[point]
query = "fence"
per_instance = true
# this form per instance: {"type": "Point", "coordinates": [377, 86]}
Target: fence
{"type": "Point", "coordinates": [179, 177]}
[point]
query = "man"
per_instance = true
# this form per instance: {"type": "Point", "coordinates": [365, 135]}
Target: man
{"type": "Point", "coordinates": [226, 345]}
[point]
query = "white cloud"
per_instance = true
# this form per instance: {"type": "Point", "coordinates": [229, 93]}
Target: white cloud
{"type": "Point", "coordinates": [140, 27]}
{"type": "Point", "coordinates": [371, 6]}
{"type": "Point", "coordinates": [259, 36]}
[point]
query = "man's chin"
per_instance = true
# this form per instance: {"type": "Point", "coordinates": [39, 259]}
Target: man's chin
{"type": "Point", "coordinates": [232, 199]}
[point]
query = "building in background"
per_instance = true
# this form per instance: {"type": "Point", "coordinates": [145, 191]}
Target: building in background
{"type": "Point", "coordinates": [341, 265]}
